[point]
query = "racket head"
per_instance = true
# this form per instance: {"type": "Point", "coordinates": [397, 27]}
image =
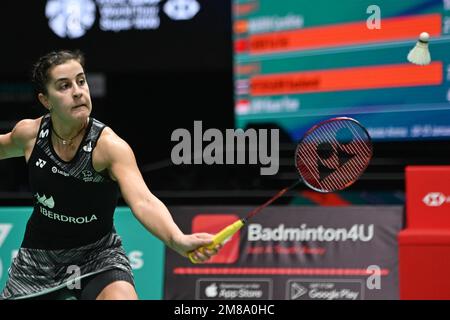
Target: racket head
{"type": "Point", "coordinates": [333, 154]}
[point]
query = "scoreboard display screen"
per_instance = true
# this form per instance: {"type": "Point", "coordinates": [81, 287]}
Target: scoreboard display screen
{"type": "Point", "coordinates": [299, 62]}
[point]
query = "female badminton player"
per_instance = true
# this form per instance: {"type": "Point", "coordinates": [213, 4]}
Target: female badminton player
{"type": "Point", "coordinates": [76, 166]}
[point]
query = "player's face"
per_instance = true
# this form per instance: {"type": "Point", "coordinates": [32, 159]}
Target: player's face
{"type": "Point", "coordinates": [68, 92]}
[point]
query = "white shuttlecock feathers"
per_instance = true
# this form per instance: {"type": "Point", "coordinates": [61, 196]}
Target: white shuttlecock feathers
{"type": "Point", "coordinates": [420, 54]}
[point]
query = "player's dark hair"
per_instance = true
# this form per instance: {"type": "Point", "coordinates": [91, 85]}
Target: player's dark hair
{"type": "Point", "coordinates": [41, 69]}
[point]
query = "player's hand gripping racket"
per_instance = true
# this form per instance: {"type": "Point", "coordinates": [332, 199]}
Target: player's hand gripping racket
{"type": "Point", "coordinates": [331, 156]}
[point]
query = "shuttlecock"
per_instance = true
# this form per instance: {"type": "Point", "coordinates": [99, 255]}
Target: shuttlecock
{"type": "Point", "coordinates": [420, 54]}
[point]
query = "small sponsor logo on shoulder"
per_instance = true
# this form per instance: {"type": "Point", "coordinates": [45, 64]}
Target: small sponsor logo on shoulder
{"type": "Point", "coordinates": [88, 147]}
{"type": "Point", "coordinates": [87, 176]}
{"type": "Point", "coordinates": [58, 171]}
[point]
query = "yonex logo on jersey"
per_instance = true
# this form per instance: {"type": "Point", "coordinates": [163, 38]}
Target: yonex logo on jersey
{"type": "Point", "coordinates": [43, 133]}
{"type": "Point", "coordinates": [40, 163]}
{"type": "Point", "coordinates": [47, 202]}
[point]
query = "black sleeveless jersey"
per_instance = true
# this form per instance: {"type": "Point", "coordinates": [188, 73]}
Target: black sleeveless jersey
{"type": "Point", "coordinates": [74, 204]}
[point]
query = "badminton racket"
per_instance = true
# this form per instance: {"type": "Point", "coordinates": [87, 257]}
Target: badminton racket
{"type": "Point", "coordinates": [331, 156]}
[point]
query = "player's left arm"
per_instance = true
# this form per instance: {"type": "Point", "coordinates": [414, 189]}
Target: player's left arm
{"type": "Point", "coordinates": [147, 208]}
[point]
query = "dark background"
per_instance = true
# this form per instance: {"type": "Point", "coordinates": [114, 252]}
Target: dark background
{"type": "Point", "coordinates": [158, 81]}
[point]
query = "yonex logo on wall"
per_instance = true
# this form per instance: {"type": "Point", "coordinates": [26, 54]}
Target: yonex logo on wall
{"type": "Point", "coordinates": [73, 18]}
{"type": "Point", "coordinates": [181, 9]}
{"type": "Point", "coordinates": [70, 18]}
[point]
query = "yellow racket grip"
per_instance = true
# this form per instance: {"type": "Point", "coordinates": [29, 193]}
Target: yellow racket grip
{"type": "Point", "coordinates": [220, 237]}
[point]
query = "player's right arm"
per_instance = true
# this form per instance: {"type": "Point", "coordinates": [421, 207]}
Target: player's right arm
{"type": "Point", "coordinates": [15, 143]}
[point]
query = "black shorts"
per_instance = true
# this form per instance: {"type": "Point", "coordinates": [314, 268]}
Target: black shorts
{"type": "Point", "coordinates": [90, 286]}
{"type": "Point", "coordinates": [38, 272]}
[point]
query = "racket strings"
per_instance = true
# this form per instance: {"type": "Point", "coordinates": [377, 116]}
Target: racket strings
{"type": "Point", "coordinates": [334, 172]}
{"type": "Point", "coordinates": [358, 148]}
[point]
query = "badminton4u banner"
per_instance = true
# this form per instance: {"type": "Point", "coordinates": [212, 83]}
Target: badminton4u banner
{"type": "Point", "coordinates": [291, 253]}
